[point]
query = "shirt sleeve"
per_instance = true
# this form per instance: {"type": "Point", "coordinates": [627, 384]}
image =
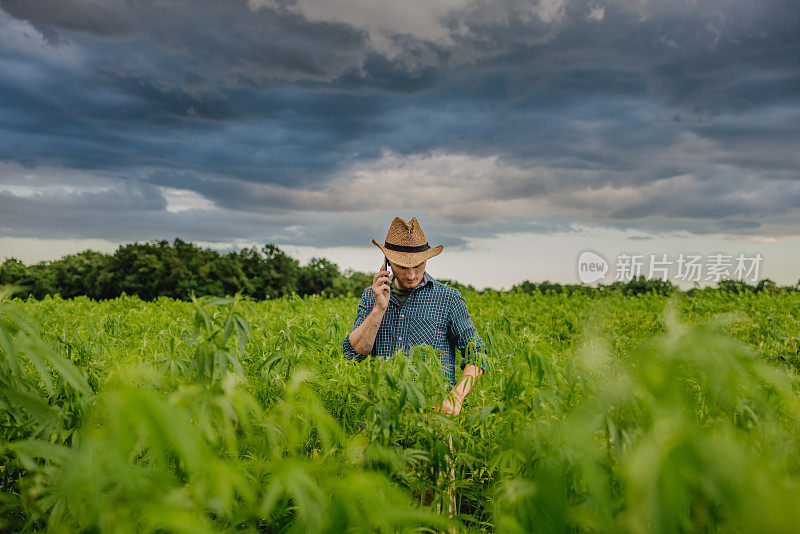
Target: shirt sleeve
{"type": "Point", "coordinates": [463, 332]}
{"type": "Point", "coordinates": [361, 313]}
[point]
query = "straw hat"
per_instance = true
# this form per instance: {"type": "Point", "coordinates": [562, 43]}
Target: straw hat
{"type": "Point", "coordinates": [406, 244]}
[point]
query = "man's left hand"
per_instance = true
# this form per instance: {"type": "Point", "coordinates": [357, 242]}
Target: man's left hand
{"type": "Point", "coordinates": [450, 406]}
{"type": "Point", "coordinates": [452, 402]}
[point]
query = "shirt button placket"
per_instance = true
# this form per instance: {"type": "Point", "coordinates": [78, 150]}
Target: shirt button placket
{"type": "Point", "coordinates": [402, 329]}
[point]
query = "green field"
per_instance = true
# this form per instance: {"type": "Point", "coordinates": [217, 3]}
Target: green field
{"type": "Point", "coordinates": [597, 414]}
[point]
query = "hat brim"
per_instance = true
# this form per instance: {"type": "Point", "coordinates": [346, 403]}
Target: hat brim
{"type": "Point", "coordinates": [409, 259]}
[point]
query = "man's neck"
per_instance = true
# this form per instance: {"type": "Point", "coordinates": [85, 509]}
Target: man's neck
{"type": "Point", "coordinates": [397, 285]}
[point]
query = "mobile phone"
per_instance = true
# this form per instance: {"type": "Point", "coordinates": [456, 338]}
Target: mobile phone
{"type": "Point", "coordinates": [385, 266]}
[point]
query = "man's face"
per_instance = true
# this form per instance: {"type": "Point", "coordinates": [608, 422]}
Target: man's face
{"type": "Point", "coordinates": [408, 277]}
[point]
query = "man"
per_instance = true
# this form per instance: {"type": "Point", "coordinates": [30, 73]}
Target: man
{"type": "Point", "coordinates": [408, 307]}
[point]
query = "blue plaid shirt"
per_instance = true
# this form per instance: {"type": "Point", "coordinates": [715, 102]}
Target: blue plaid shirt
{"type": "Point", "coordinates": [434, 314]}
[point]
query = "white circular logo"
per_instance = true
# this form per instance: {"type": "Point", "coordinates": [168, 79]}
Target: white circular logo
{"type": "Point", "coordinates": [591, 267]}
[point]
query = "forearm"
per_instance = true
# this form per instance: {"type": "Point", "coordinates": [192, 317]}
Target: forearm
{"type": "Point", "coordinates": [363, 338]}
{"type": "Point", "coordinates": [468, 380]}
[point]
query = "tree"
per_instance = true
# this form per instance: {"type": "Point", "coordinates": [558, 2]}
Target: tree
{"type": "Point", "coordinates": [355, 282]}
{"type": "Point", "coordinates": [766, 285]}
{"type": "Point", "coordinates": [641, 285]}
{"type": "Point", "coordinates": [86, 273]}
{"type": "Point", "coordinates": [319, 275]}
{"type": "Point", "coordinates": [279, 274]}
{"type": "Point", "coordinates": [13, 271]}
{"type": "Point", "coordinates": [225, 276]}
{"type": "Point", "coordinates": [735, 286]}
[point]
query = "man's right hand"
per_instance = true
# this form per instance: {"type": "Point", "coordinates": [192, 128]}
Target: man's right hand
{"type": "Point", "coordinates": [382, 289]}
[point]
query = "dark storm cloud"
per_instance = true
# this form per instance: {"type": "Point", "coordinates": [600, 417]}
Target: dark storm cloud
{"type": "Point", "coordinates": [134, 213]}
{"type": "Point", "coordinates": [221, 97]}
{"type": "Point", "coordinates": [105, 19]}
{"type": "Point", "coordinates": [213, 44]}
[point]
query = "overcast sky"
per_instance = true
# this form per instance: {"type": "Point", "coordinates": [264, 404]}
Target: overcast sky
{"type": "Point", "coordinates": [518, 133]}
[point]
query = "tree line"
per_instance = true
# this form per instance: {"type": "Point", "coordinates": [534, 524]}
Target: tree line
{"type": "Point", "coordinates": [641, 285]}
{"type": "Point", "coordinates": [179, 269]}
